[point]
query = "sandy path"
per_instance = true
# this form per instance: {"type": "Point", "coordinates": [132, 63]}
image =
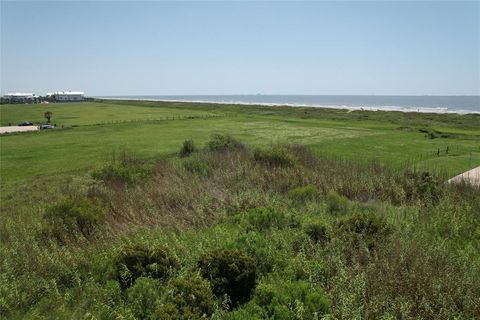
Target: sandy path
{"type": "Point", "coordinates": [11, 129]}
{"type": "Point", "coordinates": [471, 176]}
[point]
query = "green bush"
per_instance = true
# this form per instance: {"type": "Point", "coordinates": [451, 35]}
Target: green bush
{"type": "Point", "coordinates": [318, 232]}
{"type": "Point", "coordinates": [188, 298]}
{"type": "Point", "coordinates": [230, 272]}
{"type": "Point", "coordinates": [274, 156]}
{"type": "Point", "coordinates": [260, 247]}
{"type": "Point", "coordinates": [291, 300]}
{"type": "Point", "coordinates": [136, 261]}
{"type": "Point", "coordinates": [125, 173]}
{"type": "Point", "coordinates": [143, 296]}
{"type": "Point", "coordinates": [366, 227]}
{"type": "Point", "coordinates": [197, 166]}
{"type": "Point", "coordinates": [219, 142]}
{"type": "Point", "coordinates": [432, 135]}
{"type": "Point", "coordinates": [187, 149]}
{"type": "Point", "coordinates": [266, 218]}
{"type": "Point", "coordinates": [336, 203]}
{"type": "Point", "coordinates": [303, 193]}
{"type": "Point", "coordinates": [427, 186]}
{"type": "Point", "coordinates": [69, 216]}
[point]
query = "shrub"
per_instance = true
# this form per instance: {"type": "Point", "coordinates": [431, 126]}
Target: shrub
{"type": "Point", "coordinates": [125, 173]}
{"type": "Point", "coordinates": [219, 142]}
{"type": "Point", "coordinates": [293, 300]}
{"type": "Point", "coordinates": [188, 298]}
{"type": "Point", "coordinates": [230, 272]}
{"type": "Point", "coordinates": [432, 135]}
{"type": "Point", "coordinates": [139, 261]}
{"type": "Point", "coordinates": [274, 156]}
{"type": "Point", "coordinates": [266, 218]}
{"type": "Point", "coordinates": [68, 216]}
{"type": "Point", "coordinates": [260, 247]}
{"type": "Point", "coordinates": [303, 193]}
{"type": "Point", "coordinates": [427, 186]}
{"type": "Point", "coordinates": [336, 203]}
{"type": "Point", "coordinates": [367, 227]}
{"type": "Point", "coordinates": [196, 166]}
{"type": "Point", "coordinates": [187, 149]}
{"type": "Point", "coordinates": [318, 232]}
{"type": "Point", "coordinates": [143, 297]}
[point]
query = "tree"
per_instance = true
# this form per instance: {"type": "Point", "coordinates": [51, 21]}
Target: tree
{"type": "Point", "coordinates": [48, 115]}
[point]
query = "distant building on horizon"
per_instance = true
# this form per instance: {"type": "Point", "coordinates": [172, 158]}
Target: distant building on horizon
{"type": "Point", "coordinates": [66, 96]}
{"type": "Point", "coordinates": [20, 97]}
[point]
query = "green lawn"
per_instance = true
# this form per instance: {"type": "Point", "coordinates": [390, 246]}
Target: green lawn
{"type": "Point", "coordinates": [362, 136]}
{"type": "Point", "coordinates": [89, 113]}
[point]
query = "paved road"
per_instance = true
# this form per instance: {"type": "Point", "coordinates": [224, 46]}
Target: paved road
{"type": "Point", "coordinates": [472, 176]}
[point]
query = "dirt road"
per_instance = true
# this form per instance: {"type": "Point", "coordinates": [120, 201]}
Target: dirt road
{"type": "Point", "coordinates": [11, 129]}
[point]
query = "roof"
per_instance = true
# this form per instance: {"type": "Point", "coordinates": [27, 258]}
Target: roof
{"type": "Point", "coordinates": [20, 94]}
{"type": "Point", "coordinates": [67, 93]}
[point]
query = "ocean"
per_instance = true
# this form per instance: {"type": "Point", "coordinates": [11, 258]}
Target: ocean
{"type": "Point", "coordinates": [433, 104]}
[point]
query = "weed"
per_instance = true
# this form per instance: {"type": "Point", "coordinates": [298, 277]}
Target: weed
{"type": "Point", "coordinates": [196, 166]}
{"type": "Point", "coordinates": [275, 156]}
{"type": "Point", "coordinates": [422, 186]}
{"type": "Point", "coordinates": [187, 149]}
{"type": "Point", "coordinates": [189, 297]}
{"type": "Point", "coordinates": [70, 216]}
{"type": "Point", "coordinates": [136, 261]}
{"type": "Point", "coordinates": [219, 142]}
{"type": "Point", "coordinates": [307, 192]}
{"type": "Point", "coordinates": [143, 296]}
{"type": "Point", "coordinates": [265, 218]}
{"type": "Point", "coordinates": [365, 227]}
{"type": "Point", "coordinates": [336, 203]}
{"type": "Point", "coordinates": [126, 169]}
{"type": "Point", "coordinates": [259, 247]}
{"type": "Point", "coordinates": [230, 272]}
{"type": "Point", "coordinates": [318, 232]}
{"type": "Point", "coordinates": [291, 300]}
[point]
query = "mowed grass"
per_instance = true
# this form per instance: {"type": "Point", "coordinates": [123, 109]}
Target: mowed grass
{"type": "Point", "coordinates": [128, 126]}
{"type": "Point", "coordinates": [86, 113]}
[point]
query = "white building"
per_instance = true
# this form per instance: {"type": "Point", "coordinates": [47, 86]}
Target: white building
{"type": "Point", "coordinates": [20, 97]}
{"type": "Point", "coordinates": [61, 96]}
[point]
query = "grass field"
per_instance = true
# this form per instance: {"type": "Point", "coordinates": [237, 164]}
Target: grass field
{"type": "Point", "coordinates": [94, 130]}
{"type": "Point", "coordinates": [275, 213]}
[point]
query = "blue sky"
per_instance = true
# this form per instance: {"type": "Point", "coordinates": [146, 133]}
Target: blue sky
{"type": "Point", "coordinates": [126, 48]}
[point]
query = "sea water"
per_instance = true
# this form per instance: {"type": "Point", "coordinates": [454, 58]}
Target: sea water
{"type": "Point", "coordinates": [434, 104]}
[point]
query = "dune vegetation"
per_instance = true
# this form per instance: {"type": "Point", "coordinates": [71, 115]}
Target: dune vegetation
{"type": "Point", "coordinates": [336, 216]}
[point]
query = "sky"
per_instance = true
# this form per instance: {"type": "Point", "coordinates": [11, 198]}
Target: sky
{"type": "Point", "coordinates": [181, 48]}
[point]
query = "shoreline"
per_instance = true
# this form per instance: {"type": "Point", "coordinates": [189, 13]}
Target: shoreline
{"type": "Point", "coordinates": [435, 110]}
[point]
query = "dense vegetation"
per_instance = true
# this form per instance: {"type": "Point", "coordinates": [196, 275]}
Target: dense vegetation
{"type": "Point", "coordinates": [226, 230]}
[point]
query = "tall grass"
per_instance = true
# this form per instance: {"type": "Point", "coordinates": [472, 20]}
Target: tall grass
{"type": "Point", "coordinates": [327, 237]}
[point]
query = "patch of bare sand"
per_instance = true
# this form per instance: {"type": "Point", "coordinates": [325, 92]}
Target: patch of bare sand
{"type": "Point", "coordinates": [12, 129]}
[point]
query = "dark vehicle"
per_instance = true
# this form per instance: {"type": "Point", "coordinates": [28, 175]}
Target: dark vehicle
{"type": "Point", "coordinates": [47, 126]}
{"type": "Point", "coordinates": [25, 124]}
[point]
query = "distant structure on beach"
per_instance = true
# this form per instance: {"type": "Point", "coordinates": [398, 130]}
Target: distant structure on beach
{"type": "Point", "coordinates": [66, 96]}
{"type": "Point", "coordinates": [19, 97]}
{"type": "Point", "coordinates": [57, 96]}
